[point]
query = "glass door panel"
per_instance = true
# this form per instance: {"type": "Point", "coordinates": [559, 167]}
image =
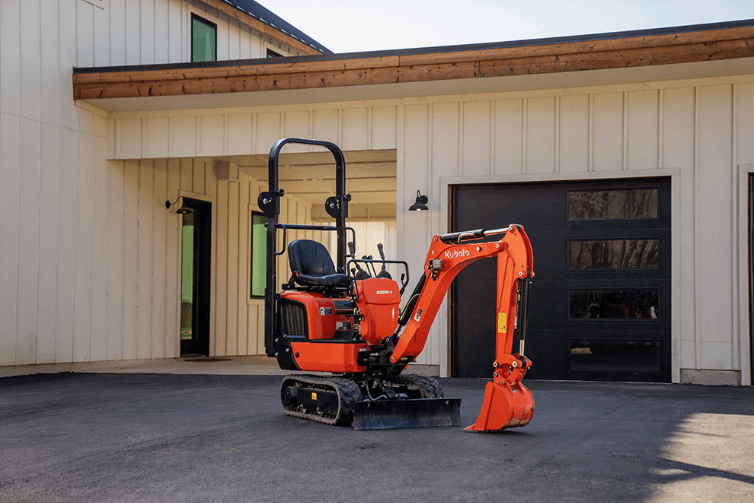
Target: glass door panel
{"type": "Point", "coordinates": [187, 278]}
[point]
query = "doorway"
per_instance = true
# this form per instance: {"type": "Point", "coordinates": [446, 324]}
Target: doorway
{"type": "Point", "coordinates": [196, 247]}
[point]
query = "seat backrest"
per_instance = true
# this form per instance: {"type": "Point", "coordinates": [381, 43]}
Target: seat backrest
{"type": "Point", "coordinates": [310, 258]}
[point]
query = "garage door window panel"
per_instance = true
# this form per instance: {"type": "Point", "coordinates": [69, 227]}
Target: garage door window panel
{"type": "Point", "coordinates": [615, 355]}
{"type": "Point", "coordinates": [614, 204]}
{"type": "Point", "coordinates": [614, 254]}
{"type": "Point", "coordinates": [614, 304]}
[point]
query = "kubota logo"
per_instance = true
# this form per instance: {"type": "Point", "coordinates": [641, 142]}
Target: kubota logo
{"type": "Point", "coordinates": [384, 292]}
{"type": "Point", "coordinates": [457, 253]}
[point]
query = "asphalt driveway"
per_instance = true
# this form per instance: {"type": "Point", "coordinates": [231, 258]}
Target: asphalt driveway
{"type": "Point", "coordinates": [148, 437]}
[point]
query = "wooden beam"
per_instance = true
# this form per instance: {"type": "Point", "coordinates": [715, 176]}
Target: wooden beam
{"type": "Point", "coordinates": [261, 27]}
{"type": "Point", "coordinates": [276, 66]}
{"type": "Point", "coordinates": [583, 47]}
{"type": "Point", "coordinates": [712, 45]}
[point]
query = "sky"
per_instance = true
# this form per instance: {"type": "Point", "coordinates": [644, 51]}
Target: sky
{"type": "Point", "coordinates": [358, 25]}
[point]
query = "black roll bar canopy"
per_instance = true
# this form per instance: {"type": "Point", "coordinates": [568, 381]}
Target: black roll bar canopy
{"type": "Point", "coordinates": [269, 202]}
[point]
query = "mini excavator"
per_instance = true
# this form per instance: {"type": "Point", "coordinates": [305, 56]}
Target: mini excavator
{"type": "Point", "coordinates": [345, 322]}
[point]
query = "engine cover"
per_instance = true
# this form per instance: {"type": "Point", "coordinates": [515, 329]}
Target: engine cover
{"type": "Point", "coordinates": [379, 301]}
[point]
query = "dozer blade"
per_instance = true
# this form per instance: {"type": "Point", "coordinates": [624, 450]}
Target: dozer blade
{"type": "Point", "coordinates": [417, 413]}
{"type": "Point", "coordinates": [504, 407]}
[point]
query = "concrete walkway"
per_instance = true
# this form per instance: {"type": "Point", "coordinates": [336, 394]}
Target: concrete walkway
{"type": "Point", "coordinates": [130, 436]}
{"type": "Point", "coordinates": [231, 365]}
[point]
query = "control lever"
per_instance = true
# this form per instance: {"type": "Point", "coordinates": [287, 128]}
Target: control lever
{"type": "Point", "coordinates": [361, 274]}
{"type": "Point", "coordinates": [368, 259]}
{"type": "Point", "coordinates": [383, 273]}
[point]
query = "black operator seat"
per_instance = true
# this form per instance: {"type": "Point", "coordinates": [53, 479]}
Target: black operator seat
{"type": "Point", "coordinates": [312, 266]}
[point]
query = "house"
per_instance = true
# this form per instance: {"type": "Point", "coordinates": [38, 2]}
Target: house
{"type": "Point", "coordinates": [627, 157]}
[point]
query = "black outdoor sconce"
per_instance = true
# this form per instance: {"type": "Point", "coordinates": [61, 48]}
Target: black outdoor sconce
{"type": "Point", "coordinates": [183, 210]}
{"type": "Point", "coordinates": [420, 204]}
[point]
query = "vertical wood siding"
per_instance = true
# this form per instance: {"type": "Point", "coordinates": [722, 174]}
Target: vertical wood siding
{"type": "Point", "coordinates": [139, 33]}
{"type": "Point", "coordinates": [74, 230]}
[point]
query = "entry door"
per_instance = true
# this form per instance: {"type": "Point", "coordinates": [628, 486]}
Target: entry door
{"type": "Point", "coordinates": [196, 232]}
{"type": "Point", "coordinates": [600, 301]}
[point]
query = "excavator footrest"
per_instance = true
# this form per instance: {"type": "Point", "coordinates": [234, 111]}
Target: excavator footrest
{"type": "Point", "coordinates": [416, 413]}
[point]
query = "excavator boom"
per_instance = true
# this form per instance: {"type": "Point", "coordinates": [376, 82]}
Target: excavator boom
{"type": "Point", "coordinates": [507, 402]}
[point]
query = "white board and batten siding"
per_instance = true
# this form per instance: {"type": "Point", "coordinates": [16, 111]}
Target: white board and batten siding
{"type": "Point", "coordinates": [59, 264]}
{"type": "Point", "coordinates": [697, 132]}
{"type": "Point", "coordinates": [124, 32]}
{"type": "Point", "coordinates": [238, 318]}
{"type": "Point", "coordinates": [248, 131]}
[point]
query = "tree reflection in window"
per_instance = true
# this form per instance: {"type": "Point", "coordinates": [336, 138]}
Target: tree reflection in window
{"type": "Point", "coordinates": [614, 254]}
{"type": "Point", "coordinates": [613, 204]}
{"type": "Point", "coordinates": [614, 304]}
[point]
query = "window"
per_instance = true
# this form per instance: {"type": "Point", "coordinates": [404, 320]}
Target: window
{"type": "Point", "coordinates": [614, 304]}
{"type": "Point", "coordinates": [613, 204]}
{"type": "Point", "coordinates": [614, 254]}
{"type": "Point", "coordinates": [258, 253]}
{"type": "Point", "coordinates": [273, 54]}
{"type": "Point", "coordinates": [615, 355]}
{"type": "Point", "coordinates": [203, 40]}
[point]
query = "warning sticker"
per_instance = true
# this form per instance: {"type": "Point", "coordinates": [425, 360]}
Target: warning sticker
{"type": "Point", "coordinates": [502, 322]}
{"type": "Point", "coordinates": [314, 396]}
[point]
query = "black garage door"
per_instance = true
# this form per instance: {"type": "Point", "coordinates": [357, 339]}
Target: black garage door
{"type": "Point", "coordinates": [600, 301]}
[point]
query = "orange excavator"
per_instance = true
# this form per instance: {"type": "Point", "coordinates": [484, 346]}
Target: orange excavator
{"type": "Point", "coordinates": [344, 321]}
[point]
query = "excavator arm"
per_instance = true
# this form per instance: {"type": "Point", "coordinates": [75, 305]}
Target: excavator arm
{"type": "Point", "coordinates": [507, 402]}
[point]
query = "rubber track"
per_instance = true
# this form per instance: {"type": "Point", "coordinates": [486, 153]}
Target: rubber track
{"type": "Point", "coordinates": [348, 394]}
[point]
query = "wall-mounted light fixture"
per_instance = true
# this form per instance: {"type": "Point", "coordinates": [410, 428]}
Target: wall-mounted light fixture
{"type": "Point", "coordinates": [420, 204]}
{"type": "Point", "coordinates": [183, 209]}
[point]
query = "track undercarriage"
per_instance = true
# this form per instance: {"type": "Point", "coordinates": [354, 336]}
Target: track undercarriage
{"type": "Point", "coordinates": [369, 402]}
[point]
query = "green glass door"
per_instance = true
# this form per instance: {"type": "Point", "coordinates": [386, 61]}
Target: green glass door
{"type": "Point", "coordinates": [195, 277]}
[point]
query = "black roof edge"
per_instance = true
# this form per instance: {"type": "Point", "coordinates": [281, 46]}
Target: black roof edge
{"type": "Point", "coordinates": [266, 16]}
{"type": "Point", "coordinates": [426, 50]}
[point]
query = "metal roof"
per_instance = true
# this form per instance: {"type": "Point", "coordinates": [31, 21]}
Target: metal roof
{"type": "Point", "coordinates": [258, 11]}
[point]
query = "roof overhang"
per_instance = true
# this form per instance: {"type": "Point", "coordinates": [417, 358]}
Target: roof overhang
{"type": "Point", "coordinates": [261, 27]}
{"type": "Point", "coordinates": [667, 54]}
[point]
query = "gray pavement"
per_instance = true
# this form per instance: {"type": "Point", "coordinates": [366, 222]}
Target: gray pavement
{"type": "Point", "coordinates": [208, 437]}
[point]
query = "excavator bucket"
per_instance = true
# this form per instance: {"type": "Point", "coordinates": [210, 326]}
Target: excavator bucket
{"type": "Point", "coordinates": [505, 406]}
{"type": "Point", "coordinates": [417, 413]}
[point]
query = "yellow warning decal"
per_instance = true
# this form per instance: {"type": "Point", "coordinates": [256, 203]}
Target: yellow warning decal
{"type": "Point", "coordinates": [314, 396]}
{"type": "Point", "coordinates": [502, 322]}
